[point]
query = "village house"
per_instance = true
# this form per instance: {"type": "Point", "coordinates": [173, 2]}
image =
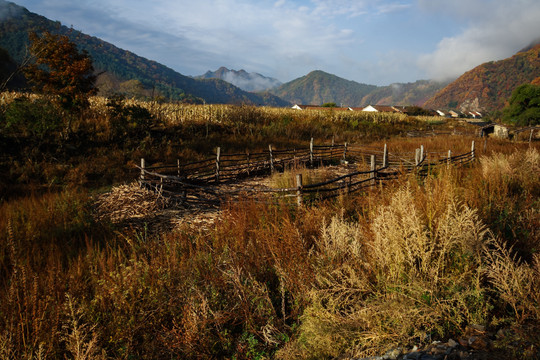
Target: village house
{"type": "Point", "coordinates": [442, 113]}
{"type": "Point", "coordinates": [304, 107]}
{"type": "Point", "coordinates": [317, 107]}
{"type": "Point", "coordinates": [453, 114]}
{"type": "Point", "coordinates": [381, 108]}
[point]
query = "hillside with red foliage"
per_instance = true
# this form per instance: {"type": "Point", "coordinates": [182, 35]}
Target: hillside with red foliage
{"type": "Point", "coordinates": [488, 86]}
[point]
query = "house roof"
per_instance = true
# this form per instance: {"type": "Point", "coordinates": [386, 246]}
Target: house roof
{"type": "Point", "coordinates": [302, 107]}
{"type": "Point", "coordinates": [318, 107]}
{"type": "Point", "coordinates": [382, 108]}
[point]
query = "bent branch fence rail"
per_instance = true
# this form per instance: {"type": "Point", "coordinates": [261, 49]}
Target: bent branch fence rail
{"type": "Point", "coordinates": [199, 182]}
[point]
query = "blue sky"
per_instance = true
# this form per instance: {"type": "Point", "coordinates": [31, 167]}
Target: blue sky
{"type": "Point", "coordinates": [369, 41]}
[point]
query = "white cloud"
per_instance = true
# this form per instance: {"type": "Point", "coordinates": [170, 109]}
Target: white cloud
{"type": "Point", "coordinates": [392, 7]}
{"type": "Point", "coordinates": [491, 33]}
{"type": "Point", "coordinates": [364, 40]}
{"type": "Point", "coordinates": [347, 8]}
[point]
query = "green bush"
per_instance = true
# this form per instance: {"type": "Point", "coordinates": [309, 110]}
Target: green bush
{"type": "Point", "coordinates": [35, 119]}
{"type": "Point", "coordinates": [128, 120]}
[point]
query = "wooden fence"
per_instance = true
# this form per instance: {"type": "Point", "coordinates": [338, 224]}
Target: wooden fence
{"type": "Point", "coordinates": [199, 182]}
{"type": "Point", "coordinates": [530, 130]}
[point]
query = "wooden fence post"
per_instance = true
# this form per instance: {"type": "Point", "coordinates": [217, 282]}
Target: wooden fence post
{"type": "Point", "coordinates": [417, 157]}
{"type": "Point", "coordinates": [299, 199]}
{"type": "Point", "coordinates": [248, 163]}
{"type": "Point", "coordinates": [349, 182]}
{"type": "Point", "coordinates": [311, 152]}
{"type": "Point", "coordinates": [178, 167]}
{"type": "Point", "coordinates": [345, 152]}
{"type": "Point", "coordinates": [373, 173]}
{"type": "Point", "coordinates": [449, 158]}
{"type": "Point", "coordinates": [143, 165]}
{"type": "Point", "coordinates": [385, 157]}
{"type": "Point", "coordinates": [332, 150]}
{"type": "Point", "coordinates": [271, 159]}
{"type": "Point", "coordinates": [218, 155]}
{"type": "Point", "coordinates": [530, 137]}
{"type": "Point", "coordinates": [422, 153]}
{"type": "Point", "coordinates": [472, 150]}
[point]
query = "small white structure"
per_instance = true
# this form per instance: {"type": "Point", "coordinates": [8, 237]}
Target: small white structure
{"type": "Point", "coordinates": [441, 113]}
{"type": "Point", "coordinates": [370, 108]}
{"type": "Point", "coordinates": [500, 131]}
{"type": "Point", "coordinates": [453, 114]}
{"type": "Point", "coordinates": [381, 108]}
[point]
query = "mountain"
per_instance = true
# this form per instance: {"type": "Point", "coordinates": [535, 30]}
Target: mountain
{"type": "Point", "coordinates": [319, 87]}
{"type": "Point", "coordinates": [123, 66]}
{"type": "Point", "coordinates": [252, 82]}
{"type": "Point", "coordinates": [488, 86]}
{"type": "Point", "coordinates": [404, 94]}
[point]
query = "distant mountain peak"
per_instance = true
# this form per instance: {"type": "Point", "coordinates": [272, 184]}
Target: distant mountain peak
{"type": "Point", "coordinates": [319, 87]}
{"type": "Point", "coordinates": [123, 71]}
{"type": "Point", "coordinates": [253, 82]}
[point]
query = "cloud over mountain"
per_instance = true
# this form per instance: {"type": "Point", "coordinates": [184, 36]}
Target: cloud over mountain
{"type": "Point", "coordinates": [492, 29]}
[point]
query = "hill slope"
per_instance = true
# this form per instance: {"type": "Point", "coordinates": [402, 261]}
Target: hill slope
{"type": "Point", "coordinates": [319, 87]}
{"type": "Point", "coordinates": [10, 78]}
{"type": "Point", "coordinates": [404, 94]}
{"type": "Point", "coordinates": [488, 86]}
{"type": "Point", "coordinates": [242, 79]}
{"type": "Point", "coordinates": [121, 64]}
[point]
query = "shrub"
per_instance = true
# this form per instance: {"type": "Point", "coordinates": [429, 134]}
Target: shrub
{"type": "Point", "coordinates": [37, 119]}
{"type": "Point", "coordinates": [128, 120]}
{"type": "Point", "coordinates": [397, 281]}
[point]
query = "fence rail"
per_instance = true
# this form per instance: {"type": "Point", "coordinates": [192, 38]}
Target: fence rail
{"type": "Point", "coordinates": [199, 182]}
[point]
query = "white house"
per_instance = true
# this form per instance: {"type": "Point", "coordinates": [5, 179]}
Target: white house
{"type": "Point", "coordinates": [441, 113]}
{"type": "Point", "coordinates": [381, 108]}
{"type": "Point", "coordinates": [453, 114]}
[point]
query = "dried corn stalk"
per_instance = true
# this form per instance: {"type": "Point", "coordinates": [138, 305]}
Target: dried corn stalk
{"type": "Point", "coordinates": [128, 201]}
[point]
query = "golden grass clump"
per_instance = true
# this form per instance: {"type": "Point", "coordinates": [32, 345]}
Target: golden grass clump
{"type": "Point", "coordinates": [394, 281]}
{"type": "Point", "coordinates": [507, 170]}
{"type": "Point", "coordinates": [516, 282]}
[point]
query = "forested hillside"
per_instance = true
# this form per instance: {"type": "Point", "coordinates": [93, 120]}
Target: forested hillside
{"type": "Point", "coordinates": [120, 64]}
{"type": "Point", "coordinates": [9, 76]}
{"type": "Point", "coordinates": [319, 87]}
{"type": "Point", "coordinates": [404, 94]}
{"type": "Point", "coordinates": [488, 86]}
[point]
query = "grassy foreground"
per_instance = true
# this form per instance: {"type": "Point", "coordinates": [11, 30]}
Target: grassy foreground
{"type": "Point", "coordinates": [416, 261]}
{"type": "Point", "coordinates": [353, 277]}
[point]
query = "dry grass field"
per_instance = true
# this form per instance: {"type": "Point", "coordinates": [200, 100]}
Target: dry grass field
{"type": "Point", "coordinates": [418, 260]}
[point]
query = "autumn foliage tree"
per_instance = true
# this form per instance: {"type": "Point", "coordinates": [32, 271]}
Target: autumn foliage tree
{"type": "Point", "coordinates": [61, 70]}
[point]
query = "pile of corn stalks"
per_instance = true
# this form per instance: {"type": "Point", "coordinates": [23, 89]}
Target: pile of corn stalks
{"type": "Point", "coordinates": [127, 202]}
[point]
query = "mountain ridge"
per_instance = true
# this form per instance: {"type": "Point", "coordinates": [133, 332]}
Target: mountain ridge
{"type": "Point", "coordinates": [484, 88]}
{"type": "Point", "coordinates": [404, 94]}
{"type": "Point", "coordinates": [318, 87]}
{"type": "Point", "coordinates": [488, 86]}
{"type": "Point", "coordinates": [17, 21]}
